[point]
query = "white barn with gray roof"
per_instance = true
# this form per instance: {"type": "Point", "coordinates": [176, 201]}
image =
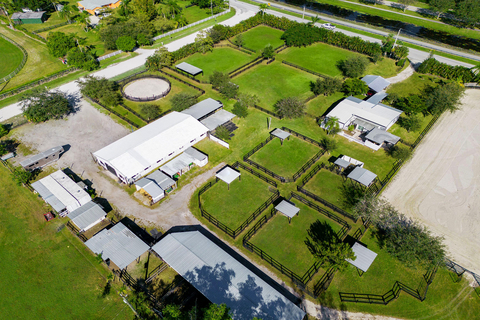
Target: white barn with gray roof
{"type": "Point", "coordinates": [223, 279]}
{"type": "Point", "coordinates": [156, 185]}
{"type": "Point", "coordinates": [118, 244]}
{"type": "Point", "coordinates": [87, 216]}
{"type": "Point", "coordinates": [149, 147]}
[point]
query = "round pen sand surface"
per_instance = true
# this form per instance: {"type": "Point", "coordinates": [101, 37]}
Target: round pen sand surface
{"type": "Point", "coordinates": [440, 185]}
{"type": "Point", "coordinates": [146, 87]}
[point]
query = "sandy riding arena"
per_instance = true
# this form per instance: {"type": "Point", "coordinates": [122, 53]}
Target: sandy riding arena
{"type": "Point", "coordinates": [146, 88]}
{"type": "Point", "coordinates": [440, 185]}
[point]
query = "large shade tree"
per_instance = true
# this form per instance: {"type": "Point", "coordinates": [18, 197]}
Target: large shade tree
{"type": "Point", "coordinates": [41, 105]}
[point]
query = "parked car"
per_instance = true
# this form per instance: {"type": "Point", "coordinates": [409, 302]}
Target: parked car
{"type": "Point", "coordinates": [328, 26]}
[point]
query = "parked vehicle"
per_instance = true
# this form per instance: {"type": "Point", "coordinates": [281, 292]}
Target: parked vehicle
{"type": "Point", "coordinates": [328, 26]}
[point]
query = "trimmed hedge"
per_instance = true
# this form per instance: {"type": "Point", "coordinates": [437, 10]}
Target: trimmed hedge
{"type": "Point", "coordinates": [432, 66]}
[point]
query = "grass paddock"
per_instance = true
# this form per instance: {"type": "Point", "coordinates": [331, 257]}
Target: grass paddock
{"type": "Point", "coordinates": [259, 37]}
{"type": "Point", "coordinates": [11, 57]}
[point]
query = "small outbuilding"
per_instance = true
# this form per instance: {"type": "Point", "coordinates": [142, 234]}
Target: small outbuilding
{"type": "Point", "coordinates": [217, 119]}
{"type": "Point", "coordinates": [287, 208]}
{"type": "Point", "coordinates": [199, 158]}
{"type": "Point", "coordinates": [95, 6]}
{"type": "Point", "coordinates": [29, 17]}
{"type": "Point", "coordinates": [280, 134]}
{"type": "Point", "coordinates": [376, 83]}
{"type": "Point", "coordinates": [378, 137]}
{"type": "Point", "coordinates": [42, 159]}
{"type": "Point", "coordinates": [87, 216]}
{"type": "Point", "coordinates": [362, 176]}
{"type": "Point", "coordinates": [203, 109]}
{"type": "Point", "coordinates": [228, 174]}
{"type": "Point", "coordinates": [189, 69]}
{"type": "Point", "coordinates": [117, 245]}
{"type": "Point", "coordinates": [156, 185]}
{"type": "Point", "coordinates": [61, 192]}
{"type": "Point", "coordinates": [364, 257]}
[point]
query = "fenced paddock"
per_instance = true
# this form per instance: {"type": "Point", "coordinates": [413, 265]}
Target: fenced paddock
{"type": "Point", "coordinates": [146, 88]}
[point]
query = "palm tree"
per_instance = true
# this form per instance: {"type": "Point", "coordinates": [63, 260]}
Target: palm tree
{"type": "Point", "coordinates": [181, 20]}
{"type": "Point", "coordinates": [332, 126]}
{"type": "Point", "coordinates": [173, 8]}
{"type": "Point", "coordinates": [263, 8]}
{"type": "Point", "coordinates": [66, 12]}
{"type": "Point", "coordinates": [314, 20]}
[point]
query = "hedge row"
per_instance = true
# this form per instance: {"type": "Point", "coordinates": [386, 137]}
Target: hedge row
{"type": "Point", "coordinates": [432, 66]}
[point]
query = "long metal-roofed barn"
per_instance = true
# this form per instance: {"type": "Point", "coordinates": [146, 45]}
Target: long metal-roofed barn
{"type": "Point", "coordinates": [203, 109]}
{"type": "Point", "coordinates": [61, 192]}
{"type": "Point", "coordinates": [223, 279]}
{"type": "Point", "coordinates": [117, 244]}
{"type": "Point", "coordinates": [149, 147]}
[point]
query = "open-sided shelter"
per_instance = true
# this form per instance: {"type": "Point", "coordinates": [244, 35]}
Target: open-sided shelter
{"type": "Point", "coordinates": [223, 279]}
{"type": "Point", "coordinates": [188, 68]}
{"type": "Point", "coordinates": [364, 257]}
{"type": "Point", "coordinates": [378, 137]}
{"type": "Point", "coordinates": [280, 134]}
{"type": "Point", "coordinates": [87, 216]}
{"type": "Point", "coordinates": [42, 159]}
{"type": "Point", "coordinates": [364, 115]}
{"type": "Point", "coordinates": [228, 174]}
{"type": "Point", "coordinates": [149, 147]}
{"type": "Point", "coordinates": [287, 208]}
{"type": "Point", "coordinates": [156, 185]}
{"type": "Point", "coordinates": [203, 109]}
{"type": "Point", "coordinates": [362, 176]}
{"type": "Point", "coordinates": [217, 119]}
{"type": "Point", "coordinates": [376, 83]}
{"type": "Point", "coordinates": [61, 192]}
{"type": "Point", "coordinates": [118, 245]}
{"type": "Point", "coordinates": [94, 6]}
{"type": "Point", "coordinates": [29, 17]}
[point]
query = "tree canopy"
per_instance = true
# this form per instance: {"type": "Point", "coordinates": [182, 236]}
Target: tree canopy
{"type": "Point", "coordinates": [354, 87]}
{"type": "Point", "coordinates": [354, 66]}
{"type": "Point", "coordinates": [326, 86]}
{"type": "Point", "coordinates": [125, 43]}
{"type": "Point", "coordinates": [100, 89]}
{"type": "Point", "coordinates": [59, 43]}
{"type": "Point", "coordinates": [182, 101]}
{"type": "Point", "coordinates": [151, 111]}
{"type": "Point", "coordinates": [444, 97]}
{"type": "Point", "coordinates": [41, 105]}
{"type": "Point", "coordinates": [291, 107]}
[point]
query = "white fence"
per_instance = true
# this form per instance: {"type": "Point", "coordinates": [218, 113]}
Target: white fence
{"type": "Point", "coordinates": [219, 141]}
{"type": "Point", "coordinates": [109, 55]}
{"type": "Point", "coordinates": [24, 60]}
{"type": "Point", "coordinates": [190, 25]}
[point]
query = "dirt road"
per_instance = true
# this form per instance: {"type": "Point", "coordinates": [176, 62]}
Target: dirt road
{"type": "Point", "coordinates": [440, 185]}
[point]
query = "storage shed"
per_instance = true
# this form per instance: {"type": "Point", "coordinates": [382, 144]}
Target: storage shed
{"type": "Point", "coordinates": [42, 159]}
{"type": "Point", "coordinates": [29, 17]}
{"type": "Point", "coordinates": [156, 185]}
{"type": "Point", "coordinates": [87, 216]}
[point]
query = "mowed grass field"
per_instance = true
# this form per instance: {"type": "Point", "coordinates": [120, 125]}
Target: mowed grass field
{"type": "Point", "coordinates": [285, 241]}
{"type": "Point", "coordinates": [39, 63]}
{"type": "Point", "coordinates": [12, 56]}
{"type": "Point", "coordinates": [274, 82]}
{"type": "Point", "coordinates": [220, 59]}
{"type": "Point", "coordinates": [324, 58]}
{"type": "Point", "coordinates": [232, 207]}
{"type": "Point", "coordinates": [47, 274]}
{"type": "Point", "coordinates": [327, 185]}
{"type": "Point", "coordinates": [259, 37]}
{"type": "Point", "coordinates": [285, 159]}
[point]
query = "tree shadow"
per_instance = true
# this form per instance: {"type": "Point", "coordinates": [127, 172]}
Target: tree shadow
{"type": "Point", "coordinates": [320, 233]}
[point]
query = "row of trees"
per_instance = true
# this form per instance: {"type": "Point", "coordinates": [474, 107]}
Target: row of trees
{"type": "Point", "coordinates": [457, 73]}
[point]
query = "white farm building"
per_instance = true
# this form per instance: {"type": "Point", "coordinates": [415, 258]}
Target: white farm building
{"type": "Point", "coordinates": [138, 153]}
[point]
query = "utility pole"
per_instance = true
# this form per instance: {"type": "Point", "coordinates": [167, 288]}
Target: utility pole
{"type": "Point", "coordinates": [396, 38]}
{"type": "Point", "coordinates": [211, 6]}
{"type": "Point", "coordinates": [303, 15]}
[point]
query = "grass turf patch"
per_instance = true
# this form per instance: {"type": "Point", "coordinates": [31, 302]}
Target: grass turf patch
{"type": "Point", "coordinates": [11, 57]}
{"type": "Point", "coordinates": [285, 159]}
{"type": "Point", "coordinates": [259, 37]}
{"type": "Point", "coordinates": [285, 241]}
{"type": "Point", "coordinates": [415, 84]}
{"type": "Point", "coordinates": [327, 185]}
{"type": "Point", "coordinates": [51, 274]}
{"type": "Point", "coordinates": [220, 59]}
{"type": "Point", "coordinates": [232, 207]}
{"type": "Point", "coordinates": [274, 82]}
{"type": "Point", "coordinates": [411, 136]}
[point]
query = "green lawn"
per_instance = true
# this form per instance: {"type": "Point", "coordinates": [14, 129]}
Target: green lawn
{"type": "Point", "coordinates": [261, 36]}
{"type": "Point", "coordinates": [11, 57]}
{"type": "Point", "coordinates": [47, 274]}
{"type": "Point", "coordinates": [324, 58]}
{"type": "Point", "coordinates": [39, 63]}
{"type": "Point", "coordinates": [285, 241]}
{"type": "Point", "coordinates": [194, 14]}
{"type": "Point", "coordinates": [220, 59]}
{"type": "Point", "coordinates": [445, 299]}
{"type": "Point", "coordinates": [411, 136]}
{"type": "Point", "coordinates": [327, 185]}
{"type": "Point", "coordinates": [415, 84]}
{"type": "Point", "coordinates": [274, 82]}
{"type": "Point", "coordinates": [321, 104]}
{"type": "Point", "coordinates": [232, 207]}
{"type": "Point", "coordinates": [285, 159]}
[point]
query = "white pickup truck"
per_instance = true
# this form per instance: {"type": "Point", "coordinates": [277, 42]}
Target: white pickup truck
{"type": "Point", "coordinates": [328, 26]}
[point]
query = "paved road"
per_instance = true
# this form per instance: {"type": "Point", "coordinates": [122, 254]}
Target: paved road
{"type": "Point", "coordinates": [415, 56]}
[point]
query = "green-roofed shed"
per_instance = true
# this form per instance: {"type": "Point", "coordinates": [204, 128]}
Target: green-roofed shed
{"type": "Point", "coordinates": [29, 17]}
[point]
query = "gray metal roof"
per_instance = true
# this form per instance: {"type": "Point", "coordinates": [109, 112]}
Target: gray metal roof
{"type": "Point", "coordinates": [377, 97]}
{"type": "Point", "coordinates": [195, 154]}
{"type": "Point", "coordinates": [376, 83]}
{"type": "Point", "coordinates": [86, 215]}
{"type": "Point", "coordinates": [217, 119]}
{"type": "Point", "coordinates": [175, 165]}
{"type": "Point", "coordinates": [364, 257]}
{"type": "Point", "coordinates": [362, 176]}
{"type": "Point", "coordinates": [223, 279]}
{"type": "Point", "coordinates": [118, 244]}
{"type": "Point", "coordinates": [155, 183]}
{"type": "Point", "coordinates": [92, 4]}
{"type": "Point", "coordinates": [56, 204]}
{"type": "Point", "coordinates": [279, 133]}
{"type": "Point", "coordinates": [28, 15]}
{"type": "Point", "coordinates": [342, 163]}
{"type": "Point", "coordinates": [203, 108]}
{"type": "Point", "coordinates": [188, 68]}
{"type": "Point", "coordinates": [287, 208]}
{"type": "Point", "coordinates": [367, 125]}
{"type": "Point", "coordinates": [227, 174]}
{"type": "Point", "coordinates": [44, 154]}
{"type": "Point", "coordinates": [380, 136]}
